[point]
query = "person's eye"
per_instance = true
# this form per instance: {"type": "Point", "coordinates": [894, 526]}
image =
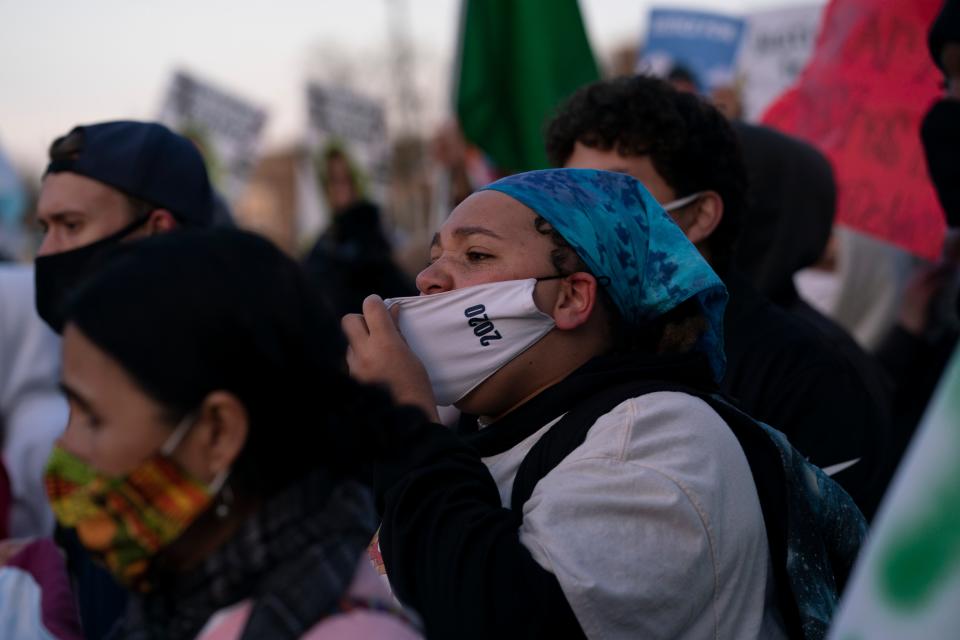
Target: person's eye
{"type": "Point", "coordinates": [478, 256]}
{"type": "Point", "coordinates": [84, 417]}
{"type": "Point", "coordinates": [72, 225]}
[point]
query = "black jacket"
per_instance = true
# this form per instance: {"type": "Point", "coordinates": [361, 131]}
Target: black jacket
{"type": "Point", "coordinates": [790, 208]}
{"type": "Point", "coordinates": [785, 372]}
{"type": "Point", "coordinates": [352, 259]}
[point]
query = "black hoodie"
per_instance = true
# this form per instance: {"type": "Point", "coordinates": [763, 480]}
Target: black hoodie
{"type": "Point", "coordinates": [787, 363]}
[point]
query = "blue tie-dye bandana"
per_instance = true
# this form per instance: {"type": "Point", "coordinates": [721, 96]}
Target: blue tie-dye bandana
{"type": "Point", "coordinates": [624, 236]}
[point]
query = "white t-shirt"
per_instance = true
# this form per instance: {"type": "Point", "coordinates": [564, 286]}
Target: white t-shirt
{"type": "Point", "coordinates": [652, 526]}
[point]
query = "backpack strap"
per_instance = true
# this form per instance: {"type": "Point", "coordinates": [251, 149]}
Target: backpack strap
{"type": "Point", "coordinates": [762, 456]}
{"type": "Point", "coordinates": [570, 432]}
{"type": "Point", "coordinates": [766, 467]}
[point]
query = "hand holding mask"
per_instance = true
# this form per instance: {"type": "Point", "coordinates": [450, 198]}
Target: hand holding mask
{"type": "Point", "coordinates": [378, 354]}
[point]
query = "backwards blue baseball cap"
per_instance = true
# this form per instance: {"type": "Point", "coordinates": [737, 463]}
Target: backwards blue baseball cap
{"type": "Point", "coordinates": [145, 160]}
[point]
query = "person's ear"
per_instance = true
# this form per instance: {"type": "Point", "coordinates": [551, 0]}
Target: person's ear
{"type": "Point", "coordinates": [218, 436]}
{"type": "Point", "coordinates": [575, 300]}
{"type": "Point", "coordinates": [700, 219]}
{"type": "Point", "coordinates": [160, 221]}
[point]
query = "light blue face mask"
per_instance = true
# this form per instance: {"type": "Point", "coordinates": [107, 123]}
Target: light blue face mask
{"type": "Point", "coordinates": [680, 203]}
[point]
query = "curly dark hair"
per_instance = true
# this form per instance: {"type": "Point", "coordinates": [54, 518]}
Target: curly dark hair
{"type": "Point", "coordinates": [189, 313]}
{"type": "Point", "coordinates": [690, 143]}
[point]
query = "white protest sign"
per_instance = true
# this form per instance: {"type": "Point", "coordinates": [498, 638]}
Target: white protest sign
{"type": "Point", "coordinates": [775, 48]}
{"type": "Point", "coordinates": [226, 128]}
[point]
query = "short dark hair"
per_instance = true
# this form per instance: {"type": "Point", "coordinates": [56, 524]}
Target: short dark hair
{"type": "Point", "coordinates": [189, 313]}
{"type": "Point", "coordinates": [690, 143]}
{"type": "Point", "coordinates": [66, 147]}
{"type": "Point", "coordinates": [139, 208]}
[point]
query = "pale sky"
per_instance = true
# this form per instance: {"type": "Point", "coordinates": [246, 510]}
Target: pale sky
{"type": "Point", "coordinates": [64, 63]}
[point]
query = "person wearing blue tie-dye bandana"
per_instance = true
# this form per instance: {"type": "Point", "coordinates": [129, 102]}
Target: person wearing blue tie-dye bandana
{"type": "Point", "coordinates": [649, 524]}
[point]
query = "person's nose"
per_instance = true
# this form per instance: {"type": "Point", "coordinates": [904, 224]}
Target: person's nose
{"type": "Point", "coordinates": [436, 278]}
{"type": "Point", "coordinates": [70, 440]}
{"type": "Point", "coordinates": [49, 245]}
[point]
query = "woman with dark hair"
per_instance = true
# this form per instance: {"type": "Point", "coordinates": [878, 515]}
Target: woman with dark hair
{"type": "Point", "coordinates": [203, 462]}
{"type": "Point", "coordinates": [607, 489]}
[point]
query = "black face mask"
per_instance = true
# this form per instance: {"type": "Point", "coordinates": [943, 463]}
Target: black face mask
{"type": "Point", "coordinates": [58, 275]}
{"type": "Point", "coordinates": [941, 142]}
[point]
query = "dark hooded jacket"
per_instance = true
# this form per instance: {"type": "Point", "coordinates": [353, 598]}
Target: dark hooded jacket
{"type": "Point", "coordinates": [352, 259]}
{"type": "Point", "coordinates": [790, 209]}
{"type": "Point", "coordinates": [787, 364]}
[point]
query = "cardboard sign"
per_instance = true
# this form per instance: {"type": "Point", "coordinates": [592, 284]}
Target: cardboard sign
{"type": "Point", "coordinates": [355, 123]}
{"type": "Point", "coordinates": [907, 580]}
{"type": "Point", "coordinates": [860, 100]}
{"type": "Point", "coordinates": [224, 127]}
{"type": "Point", "coordinates": [776, 46]}
{"type": "Point", "coordinates": [705, 43]}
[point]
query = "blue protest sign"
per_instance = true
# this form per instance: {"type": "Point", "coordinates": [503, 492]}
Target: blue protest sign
{"type": "Point", "coordinates": [704, 43]}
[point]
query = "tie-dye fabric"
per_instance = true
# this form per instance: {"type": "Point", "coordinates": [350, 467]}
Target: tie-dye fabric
{"type": "Point", "coordinates": [623, 235]}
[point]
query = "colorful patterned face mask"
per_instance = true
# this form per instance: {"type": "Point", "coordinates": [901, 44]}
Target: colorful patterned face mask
{"type": "Point", "coordinates": [125, 521]}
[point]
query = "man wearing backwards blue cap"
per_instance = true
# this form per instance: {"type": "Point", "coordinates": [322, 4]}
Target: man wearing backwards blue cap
{"type": "Point", "coordinates": [583, 505]}
{"type": "Point", "coordinates": [107, 183]}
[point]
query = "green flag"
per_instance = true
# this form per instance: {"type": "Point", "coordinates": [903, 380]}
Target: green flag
{"type": "Point", "coordinates": [519, 59]}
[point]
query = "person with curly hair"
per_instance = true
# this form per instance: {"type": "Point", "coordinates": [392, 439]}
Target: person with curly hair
{"type": "Point", "coordinates": [782, 369]}
{"type": "Point", "coordinates": [606, 490]}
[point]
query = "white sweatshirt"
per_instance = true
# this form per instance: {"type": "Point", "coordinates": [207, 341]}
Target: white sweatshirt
{"type": "Point", "coordinates": [652, 526]}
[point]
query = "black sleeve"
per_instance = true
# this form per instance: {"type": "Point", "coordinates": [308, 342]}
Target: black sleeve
{"type": "Point", "coordinates": [101, 602]}
{"type": "Point", "coordinates": [453, 553]}
{"type": "Point", "coordinates": [835, 419]}
{"type": "Point", "coordinates": [900, 354]}
{"type": "Point", "coordinates": [915, 365]}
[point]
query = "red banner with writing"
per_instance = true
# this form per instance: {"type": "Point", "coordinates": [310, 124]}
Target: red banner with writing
{"type": "Point", "coordinates": [860, 100]}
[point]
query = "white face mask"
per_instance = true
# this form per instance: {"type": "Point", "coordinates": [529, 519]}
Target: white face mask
{"type": "Point", "coordinates": [680, 203]}
{"type": "Point", "coordinates": [464, 336]}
